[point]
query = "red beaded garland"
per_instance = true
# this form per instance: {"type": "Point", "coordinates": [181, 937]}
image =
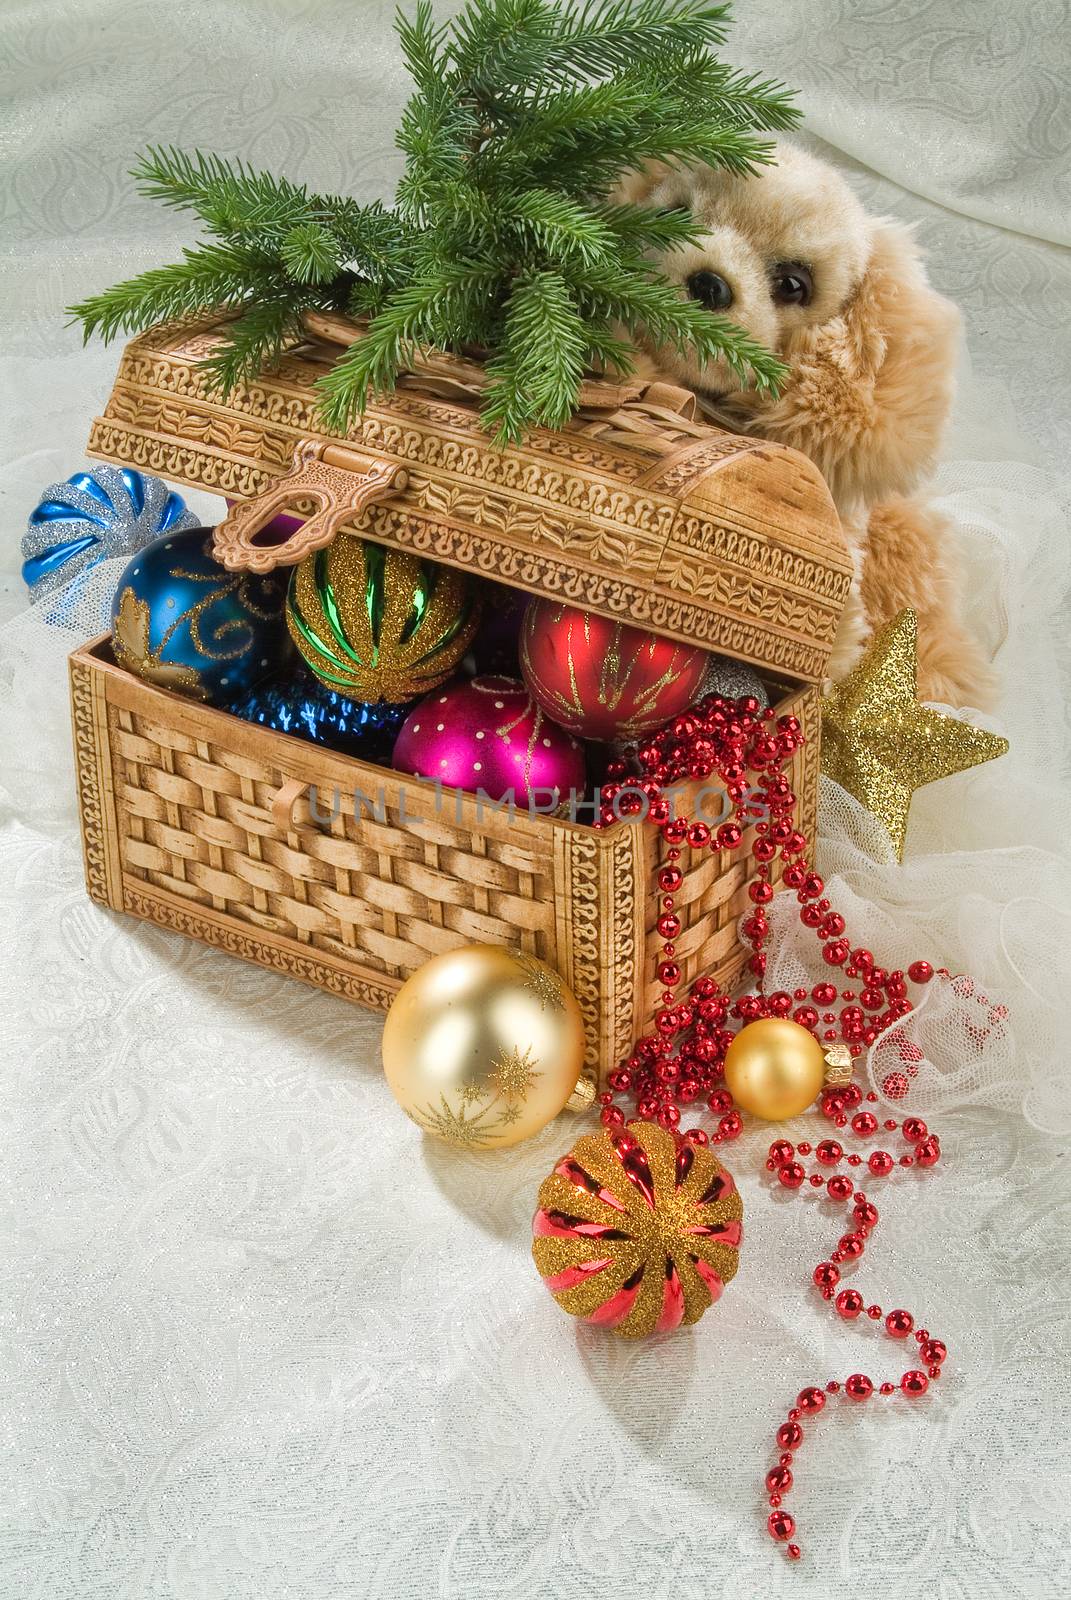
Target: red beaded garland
{"type": "Point", "coordinates": [849, 1303]}
{"type": "Point", "coordinates": [731, 739]}
{"type": "Point", "coordinates": [781, 1525]}
{"type": "Point", "coordinates": [681, 1060]}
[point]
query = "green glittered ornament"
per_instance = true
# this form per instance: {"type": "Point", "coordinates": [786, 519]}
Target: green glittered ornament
{"type": "Point", "coordinates": [379, 624]}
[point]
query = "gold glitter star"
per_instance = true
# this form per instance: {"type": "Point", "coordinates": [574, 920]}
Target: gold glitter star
{"type": "Point", "coordinates": [454, 1126]}
{"type": "Point", "coordinates": [471, 1091]}
{"type": "Point", "coordinates": [513, 1074]}
{"type": "Point", "coordinates": [881, 745]}
{"type": "Point", "coordinates": [544, 984]}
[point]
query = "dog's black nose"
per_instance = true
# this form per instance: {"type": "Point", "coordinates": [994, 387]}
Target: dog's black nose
{"type": "Point", "coordinates": [711, 290]}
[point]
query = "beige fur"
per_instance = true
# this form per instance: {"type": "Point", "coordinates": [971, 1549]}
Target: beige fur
{"type": "Point", "coordinates": [871, 361]}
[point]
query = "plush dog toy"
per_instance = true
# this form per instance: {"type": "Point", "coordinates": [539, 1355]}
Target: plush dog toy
{"type": "Point", "coordinates": [843, 298]}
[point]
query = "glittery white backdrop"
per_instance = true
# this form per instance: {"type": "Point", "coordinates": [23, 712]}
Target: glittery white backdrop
{"type": "Point", "coordinates": [257, 1338]}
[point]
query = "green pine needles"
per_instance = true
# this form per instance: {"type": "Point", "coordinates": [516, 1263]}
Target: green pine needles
{"type": "Point", "coordinates": [502, 240]}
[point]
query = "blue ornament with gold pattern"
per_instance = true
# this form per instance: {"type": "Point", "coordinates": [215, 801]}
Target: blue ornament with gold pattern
{"type": "Point", "coordinates": [182, 621]}
{"type": "Point", "coordinates": [296, 702]}
{"type": "Point", "coordinates": [93, 517]}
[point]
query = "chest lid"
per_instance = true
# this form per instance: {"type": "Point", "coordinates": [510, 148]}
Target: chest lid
{"type": "Point", "coordinates": [635, 510]}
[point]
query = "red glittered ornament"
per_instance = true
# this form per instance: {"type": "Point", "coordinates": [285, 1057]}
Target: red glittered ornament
{"type": "Point", "coordinates": [635, 1232]}
{"type": "Point", "coordinates": [602, 679]}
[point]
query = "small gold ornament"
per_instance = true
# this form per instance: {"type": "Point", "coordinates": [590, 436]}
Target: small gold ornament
{"type": "Point", "coordinates": [774, 1069]}
{"type": "Point", "coordinates": [483, 1046]}
{"type": "Point", "coordinates": [881, 745]}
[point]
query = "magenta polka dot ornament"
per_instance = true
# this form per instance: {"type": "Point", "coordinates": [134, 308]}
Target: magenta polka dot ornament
{"type": "Point", "coordinates": [487, 735]}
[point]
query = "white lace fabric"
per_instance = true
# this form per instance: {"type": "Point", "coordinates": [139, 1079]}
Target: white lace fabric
{"type": "Point", "coordinates": [259, 1338]}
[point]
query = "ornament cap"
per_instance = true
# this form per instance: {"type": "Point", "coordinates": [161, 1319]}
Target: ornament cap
{"type": "Point", "coordinates": [838, 1059]}
{"type": "Point", "coordinates": [582, 1097]}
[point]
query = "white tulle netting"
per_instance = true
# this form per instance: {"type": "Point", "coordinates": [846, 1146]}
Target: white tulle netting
{"type": "Point", "coordinates": [985, 884]}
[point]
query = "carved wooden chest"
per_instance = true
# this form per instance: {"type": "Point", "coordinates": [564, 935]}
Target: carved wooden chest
{"type": "Point", "coordinates": [198, 821]}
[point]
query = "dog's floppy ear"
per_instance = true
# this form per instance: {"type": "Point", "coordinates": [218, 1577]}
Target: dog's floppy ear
{"type": "Point", "coordinates": [870, 391]}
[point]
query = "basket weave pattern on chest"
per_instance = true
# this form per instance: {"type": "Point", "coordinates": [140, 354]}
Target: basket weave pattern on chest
{"type": "Point", "coordinates": [202, 823]}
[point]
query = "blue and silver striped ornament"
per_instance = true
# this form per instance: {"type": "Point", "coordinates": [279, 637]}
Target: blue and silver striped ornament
{"type": "Point", "coordinates": [94, 516]}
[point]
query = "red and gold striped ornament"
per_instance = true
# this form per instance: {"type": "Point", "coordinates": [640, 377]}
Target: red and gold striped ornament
{"type": "Point", "coordinates": [637, 1232]}
{"type": "Point", "coordinates": [603, 679]}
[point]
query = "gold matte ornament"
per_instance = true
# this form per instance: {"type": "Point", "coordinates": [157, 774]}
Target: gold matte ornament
{"type": "Point", "coordinates": [881, 745]}
{"type": "Point", "coordinates": [774, 1069]}
{"type": "Point", "coordinates": [483, 1046]}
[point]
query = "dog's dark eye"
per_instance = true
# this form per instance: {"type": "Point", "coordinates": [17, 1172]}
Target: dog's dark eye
{"type": "Point", "coordinates": [792, 284]}
{"type": "Point", "coordinates": [711, 290]}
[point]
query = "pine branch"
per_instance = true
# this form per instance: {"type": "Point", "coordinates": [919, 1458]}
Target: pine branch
{"type": "Point", "coordinates": [254, 341]}
{"type": "Point", "coordinates": [372, 241]}
{"type": "Point", "coordinates": [608, 353]}
{"type": "Point", "coordinates": [310, 253]}
{"type": "Point", "coordinates": [501, 237]}
{"type": "Point", "coordinates": [485, 33]}
{"type": "Point", "coordinates": [536, 375]}
{"type": "Point", "coordinates": [436, 134]}
{"type": "Point", "coordinates": [559, 226]}
{"type": "Point", "coordinates": [703, 141]}
{"type": "Point", "coordinates": [231, 198]}
{"type": "Point", "coordinates": [421, 43]}
{"type": "Point", "coordinates": [599, 38]}
{"type": "Point", "coordinates": [640, 228]}
{"type": "Point", "coordinates": [718, 92]}
{"type": "Point", "coordinates": [522, 42]}
{"type": "Point", "coordinates": [752, 102]}
{"type": "Point", "coordinates": [644, 302]}
{"type": "Point", "coordinates": [569, 114]}
{"type": "Point", "coordinates": [212, 277]}
{"type": "Point", "coordinates": [429, 311]}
